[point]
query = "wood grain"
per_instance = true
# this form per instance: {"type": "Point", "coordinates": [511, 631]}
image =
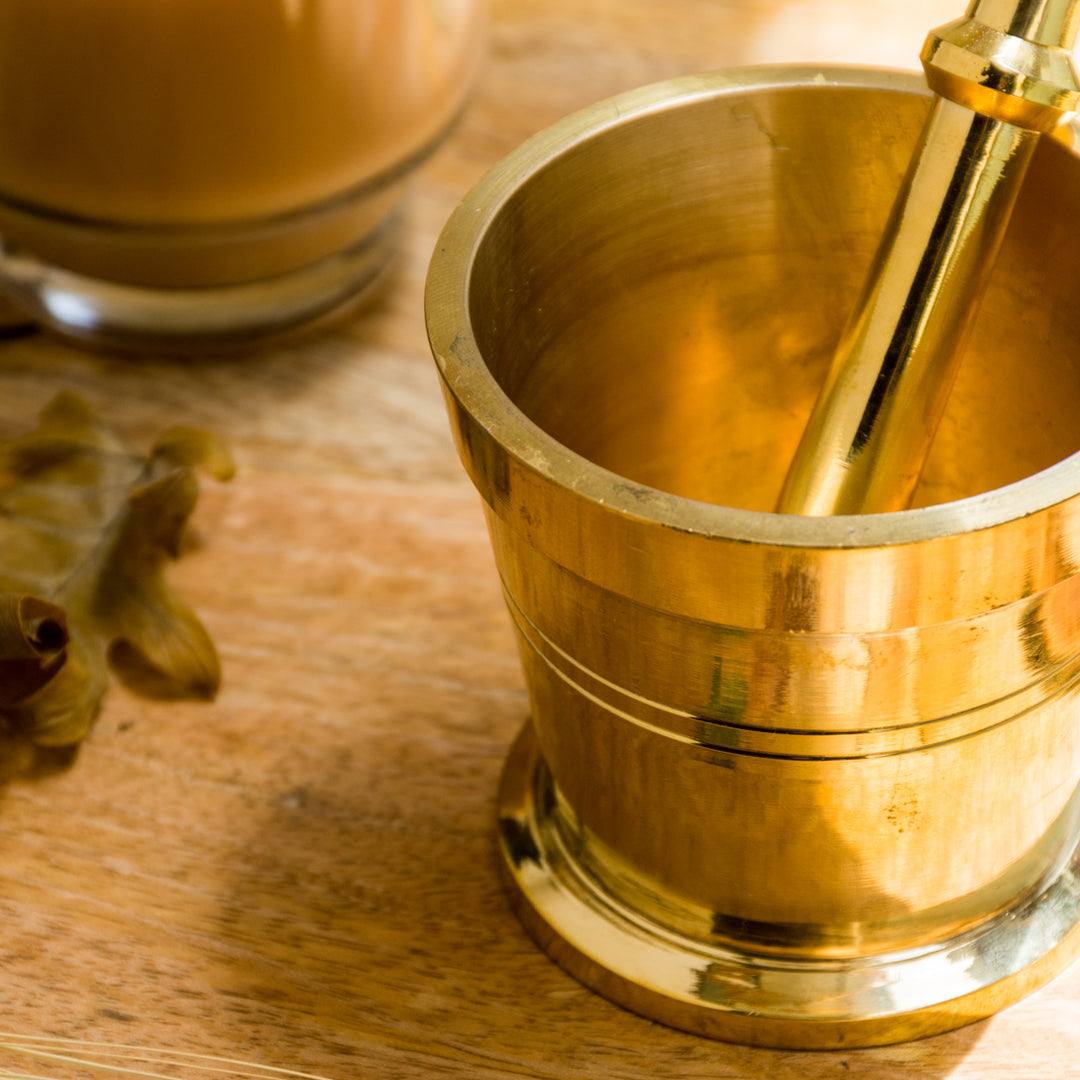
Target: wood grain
{"type": "Point", "coordinates": [302, 874]}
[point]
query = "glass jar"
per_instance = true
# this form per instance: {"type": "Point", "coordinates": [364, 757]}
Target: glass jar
{"type": "Point", "coordinates": [194, 172]}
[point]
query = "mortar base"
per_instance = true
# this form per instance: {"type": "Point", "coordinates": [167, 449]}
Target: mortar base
{"type": "Point", "coordinates": [745, 997]}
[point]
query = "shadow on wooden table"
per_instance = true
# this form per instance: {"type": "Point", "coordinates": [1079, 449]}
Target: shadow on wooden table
{"type": "Point", "coordinates": [377, 931]}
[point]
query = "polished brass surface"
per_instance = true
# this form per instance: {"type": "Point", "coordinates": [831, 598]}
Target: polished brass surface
{"type": "Point", "coordinates": [816, 746]}
{"type": "Point", "coordinates": [1008, 59]}
{"type": "Point", "coordinates": [871, 430]}
{"type": "Point", "coordinates": [713, 987]}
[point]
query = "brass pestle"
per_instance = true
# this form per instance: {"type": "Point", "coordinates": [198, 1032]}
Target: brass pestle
{"type": "Point", "coordinates": [1003, 76]}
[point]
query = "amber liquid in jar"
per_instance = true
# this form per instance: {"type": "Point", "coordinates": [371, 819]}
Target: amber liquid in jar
{"type": "Point", "coordinates": [220, 140]}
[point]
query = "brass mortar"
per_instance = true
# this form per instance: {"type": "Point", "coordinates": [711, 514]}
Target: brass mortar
{"type": "Point", "coordinates": [792, 781]}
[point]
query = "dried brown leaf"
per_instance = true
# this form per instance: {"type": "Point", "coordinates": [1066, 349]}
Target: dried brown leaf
{"type": "Point", "coordinates": [86, 528]}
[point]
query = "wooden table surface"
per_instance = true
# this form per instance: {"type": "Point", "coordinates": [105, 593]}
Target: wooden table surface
{"type": "Point", "coordinates": [302, 874]}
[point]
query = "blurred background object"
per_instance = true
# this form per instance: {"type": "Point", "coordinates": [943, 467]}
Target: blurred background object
{"type": "Point", "coordinates": [195, 173]}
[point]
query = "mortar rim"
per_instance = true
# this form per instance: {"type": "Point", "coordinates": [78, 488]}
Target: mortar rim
{"type": "Point", "coordinates": [470, 382]}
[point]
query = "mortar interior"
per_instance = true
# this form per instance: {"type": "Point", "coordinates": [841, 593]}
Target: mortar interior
{"type": "Point", "coordinates": [663, 297]}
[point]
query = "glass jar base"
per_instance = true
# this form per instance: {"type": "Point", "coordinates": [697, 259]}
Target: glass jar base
{"type": "Point", "coordinates": [181, 319]}
{"type": "Point", "coordinates": [740, 995]}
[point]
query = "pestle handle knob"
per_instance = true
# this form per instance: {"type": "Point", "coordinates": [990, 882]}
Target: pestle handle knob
{"type": "Point", "coordinates": [1008, 60]}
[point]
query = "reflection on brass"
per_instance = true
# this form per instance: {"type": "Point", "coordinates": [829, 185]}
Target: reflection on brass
{"type": "Point", "coordinates": [800, 781]}
{"type": "Point", "coordinates": [872, 428]}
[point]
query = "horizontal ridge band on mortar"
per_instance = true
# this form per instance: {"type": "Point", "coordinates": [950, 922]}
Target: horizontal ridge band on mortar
{"type": "Point", "coordinates": [792, 781]}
